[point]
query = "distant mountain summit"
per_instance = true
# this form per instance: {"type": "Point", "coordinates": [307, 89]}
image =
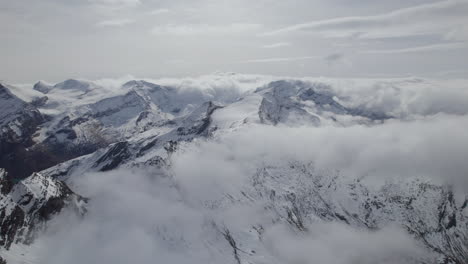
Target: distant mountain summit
{"type": "Point", "coordinates": [79, 127]}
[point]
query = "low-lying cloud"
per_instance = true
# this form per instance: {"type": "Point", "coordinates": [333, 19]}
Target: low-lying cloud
{"type": "Point", "coordinates": [144, 217]}
{"type": "Point", "coordinates": [333, 243]}
{"type": "Point", "coordinates": [433, 148]}
{"type": "Point", "coordinates": [193, 211]}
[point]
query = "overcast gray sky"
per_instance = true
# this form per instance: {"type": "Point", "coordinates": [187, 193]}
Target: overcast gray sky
{"type": "Point", "coordinates": [59, 39]}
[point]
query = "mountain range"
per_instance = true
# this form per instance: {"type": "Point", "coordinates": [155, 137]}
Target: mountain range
{"type": "Point", "coordinates": [236, 178]}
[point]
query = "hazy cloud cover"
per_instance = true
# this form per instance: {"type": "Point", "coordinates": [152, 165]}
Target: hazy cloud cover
{"type": "Point", "coordinates": [277, 45]}
{"type": "Point", "coordinates": [55, 40]}
{"type": "Point", "coordinates": [432, 18]}
{"type": "Point", "coordinates": [115, 23]}
{"type": "Point", "coordinates": [204, 29]}
{"type": "Point", "coordinates": [146, 218]}
{"type": "Point", "coordinates": [179, 215]}
{"type": "Point", "coordinates": [435, 47]}
{"type": "Point", "coordinates": [394, 151]}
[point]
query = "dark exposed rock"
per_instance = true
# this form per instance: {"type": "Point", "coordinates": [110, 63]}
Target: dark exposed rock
{"type": "Point", "coordinates": [42, 87]}
{"type": "Point", "coordinates": [29, 204]}
{"type": "Point", "coordinates": [428, 212]}
{"type": "Point", "coordinates": [114, 156]}
{"type": "Point", "coordinates": [5, 182]}
{"type": "Point", "coordinates": [227, 235]}
{"type": "Point", "coordinates": [12, 222]}
{"type": "Point", "coordinates": [198, 122]}
{"type": "Point", "coordinates": [39, 101]}
{"type": "Point", "coordinates": [322, 99]}
{"type": "Point", "coordinates": [18, 123]}
{"type": "Point", "coordinates": [148, 146]}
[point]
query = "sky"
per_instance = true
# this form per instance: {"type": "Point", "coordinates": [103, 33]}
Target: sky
{"type": "Point", "coordinates": [54, 40]}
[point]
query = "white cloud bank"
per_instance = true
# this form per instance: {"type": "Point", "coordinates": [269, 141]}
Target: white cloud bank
{"type": "Point", "coordinates": [446, 18]}
{"type": "Point", "coordinates": [142, 217]}
{"type": "Point", "coordinates": [181, 215]}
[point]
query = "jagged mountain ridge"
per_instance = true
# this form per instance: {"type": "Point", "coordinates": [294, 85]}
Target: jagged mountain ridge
{"type": "Point", "coordinates": [146, 106]}
{"type": "Point", "coordinates": [19, 120]}
{"type": "Point", "coordinates": [27, 205]}
{"type": "Point", "coordinates": [146, 124]}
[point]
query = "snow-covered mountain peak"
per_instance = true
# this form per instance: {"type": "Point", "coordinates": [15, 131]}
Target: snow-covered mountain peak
{"type": "Point", "coordinates": [9, 104]}
{"type": "Point", "coordinates": [140, 84]}
{"type": "Point", "coordinates": [284, 154]}
{"type": "Point", "coordinates": [4, 92]}
{"type": "Point", "coordinates": [26, 205]}
{"type": "Point", "coordinates": [282, 88]}
{"type": "Point", "coordinates": [17, 117]}
{"type": "Point", "coordinates": [42, 87]}
{"type": "Point", "coordinates": [302, 102]}
{"type": "Point", "coordinates": [203, 111]}
{"type": "Point", "coordinates": [72, 84]}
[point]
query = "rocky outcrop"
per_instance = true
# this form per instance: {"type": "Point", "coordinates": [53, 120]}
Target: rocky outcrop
{"type": "Point", "coordinates": [25, 207]}
{"type": "Point", "coordinates": [299, 194]}
{"type": "Point", "coordinates": [19, 120]}
{"type": "Point", "coordinates": [151, 150]}
{"type": "Point", "coordinates": [299, 103]}
{"type": "Point", "coordinates": [42, 87]}
{"type": "Point", "coordinates": [145, 124]}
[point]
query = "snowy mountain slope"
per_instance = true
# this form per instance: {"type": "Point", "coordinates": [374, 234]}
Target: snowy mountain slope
{"type": "Point", "coordinates": [19, 121]}
{"type": "Point", "coordinates": [291, 101]}
{"type": "Point", "coordinates": [89, 127]}
{"type": "Point", "coordinates": [26, 205]}
{"type": "Point", "coordinates": [300, 194]}
{"type": "Point", "coordinates": [150, 148]}
{"type": "Point", "coordinates": [117, 115]}
{"type": "Point", "coordinates": [85, 118]}
{"type": "Point", "coordinates": [300, 197]}
{"type": "Point", "coordinates": [294, 103]}
{"type": "Point", "coordinates": [247, 210]}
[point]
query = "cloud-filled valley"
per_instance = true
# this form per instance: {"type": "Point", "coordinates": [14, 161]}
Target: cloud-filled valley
{"type": "Point", "coordinates": [234, 131]}
{"type": "Point", "coordinates": [270, 170]}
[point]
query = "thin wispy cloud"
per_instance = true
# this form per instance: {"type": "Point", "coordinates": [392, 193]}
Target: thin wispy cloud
{"type": "Point", "coordinates": [452, 73]}
{"type": "Point", "coordinates": [115, 22]}
{"type": "Point", "coordinates": [216, 35]}
{"type": "Point", "coordinates": [205, 29]}
{"type": "Point", "coordinates": [116, 2]}
{"type": "Point", "coordinates": [277, 45]}
{"type": "Point", "coordinates": [435, 47]}
{"type": "Point", "coordinates": [160, 11]}
{"type": "Point", "coordinates": [283, 59]}
{"type": "Point", "coordinates": [434, 18]}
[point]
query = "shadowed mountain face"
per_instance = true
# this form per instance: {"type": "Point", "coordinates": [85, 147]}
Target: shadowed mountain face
{"type": "Point", "coordinates": [28, 204]}
{"type": "Point", "coordinates": [85, 128]}
{"type": "Point", "coordinates": [18, 122]}
{"type": "Point", "coordinates": [32, 141]}
{"type": "Point", "coordinates": [187, 139]}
